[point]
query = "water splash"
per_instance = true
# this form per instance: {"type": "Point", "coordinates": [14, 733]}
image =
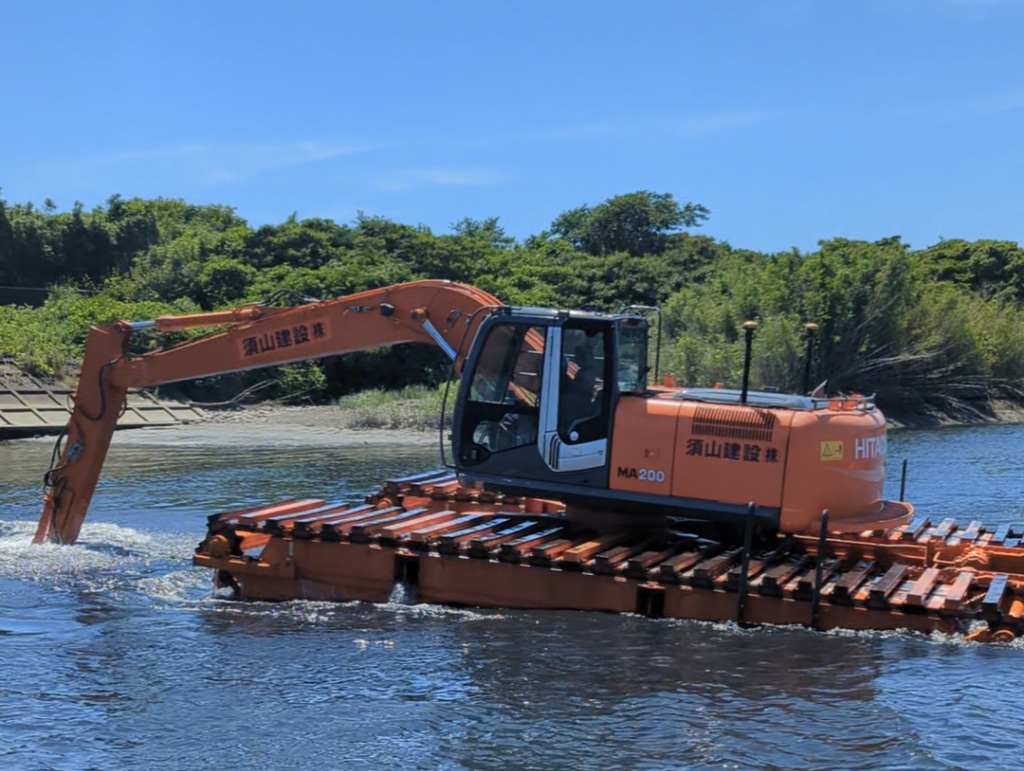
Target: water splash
{"type": "Point", "coordinates": [402, 594]}
{"type": "Point", "coordinates": [107, 557]}
{"type": "Point", "coordinates": [178, 587]}
{"type": "Point", "coordinates": [20, 558]}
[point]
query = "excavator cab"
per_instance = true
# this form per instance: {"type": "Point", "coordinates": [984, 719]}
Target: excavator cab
{"type": "Point", "coordinates": [538, 395]}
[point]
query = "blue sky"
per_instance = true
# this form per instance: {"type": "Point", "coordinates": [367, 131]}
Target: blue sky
{"type": "Point", "coordinates": [791, 120]}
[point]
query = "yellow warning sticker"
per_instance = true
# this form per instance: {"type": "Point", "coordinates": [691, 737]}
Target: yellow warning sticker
{"type": "Point", "coordinates": [831, 450]}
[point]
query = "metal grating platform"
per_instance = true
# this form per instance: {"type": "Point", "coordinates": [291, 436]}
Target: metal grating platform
{"type": "Point", "coordinates": [43, 409]}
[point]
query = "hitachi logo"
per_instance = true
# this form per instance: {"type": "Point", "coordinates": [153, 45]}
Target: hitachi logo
{"type": "Point", "coordinates": [869, 447]}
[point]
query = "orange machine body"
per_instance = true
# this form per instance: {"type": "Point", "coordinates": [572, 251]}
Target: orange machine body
{"type": "Point", "coordinates": [798, 459]}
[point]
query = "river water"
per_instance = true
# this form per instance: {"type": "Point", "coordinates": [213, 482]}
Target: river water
{"type": "Point", "coordinates": [116, 653]}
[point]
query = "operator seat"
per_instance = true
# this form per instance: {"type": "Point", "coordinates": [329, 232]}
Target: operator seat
{"type": "Point", "coordinates": [578, 404]}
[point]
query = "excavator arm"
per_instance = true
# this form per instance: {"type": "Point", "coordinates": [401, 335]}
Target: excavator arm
{"type": "Point", "coordinates": [438, 313]}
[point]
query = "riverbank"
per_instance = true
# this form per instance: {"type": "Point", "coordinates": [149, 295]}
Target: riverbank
{"type": "Point", "coordinates": [408, 416]}
{"type": "Point", "coordinates": [415, 409]}
{"type": "Point", "coordinates": [333, 426]}
{"type": "Point", "coordinates": [275, 426]}
{"type": "Point", "coordinates": [997, 413]}
{"type": "Point", "coordinates": [312, 424]}
{"type": "Point", "coordinates": [414, 413]}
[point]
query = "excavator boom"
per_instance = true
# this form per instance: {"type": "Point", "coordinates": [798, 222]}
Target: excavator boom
{"type": "Point", "coordinates": [440, 313]}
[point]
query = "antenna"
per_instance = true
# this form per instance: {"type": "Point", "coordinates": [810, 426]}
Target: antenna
{"type": "Point", "coordinates": [811, 328]}
{"type": "Point", "coordinates": [749, 327]}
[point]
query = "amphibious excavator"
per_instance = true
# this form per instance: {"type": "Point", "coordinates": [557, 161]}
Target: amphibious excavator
{"type": "Point", "coordinates": [574, 481]}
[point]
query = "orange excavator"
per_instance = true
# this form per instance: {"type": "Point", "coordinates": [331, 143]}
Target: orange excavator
{"type": "Point", "coordinates": [617, 493]}
{"type": "Point", "coordinates": [552, 403]}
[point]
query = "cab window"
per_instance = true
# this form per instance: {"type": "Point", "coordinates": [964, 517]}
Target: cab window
{"type": "Point", "coordinates": [503, 410]}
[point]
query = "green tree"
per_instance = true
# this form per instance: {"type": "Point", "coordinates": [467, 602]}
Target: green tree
{"type": "Point", "coordinates": [939, 329]}
{"type": "Point", "coordinates": [487, 231]}
{"type": "Point", "coordinates": [992, 268]}
{"type": "Point", "coordinates": [637, 223]}
{"type": "Point", "coordinates": [224, 281]}
{"type": "Point", "coordinates": [7, 273]}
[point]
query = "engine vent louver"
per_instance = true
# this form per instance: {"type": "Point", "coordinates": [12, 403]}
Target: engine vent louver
{"type": "Point", "coordinates": [737, 424]}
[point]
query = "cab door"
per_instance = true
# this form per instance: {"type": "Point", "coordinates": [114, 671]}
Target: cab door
{"type": "Point", "coordinates": [577, 395]}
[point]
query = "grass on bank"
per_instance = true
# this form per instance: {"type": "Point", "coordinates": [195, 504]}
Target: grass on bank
{"type": "Point", "coordinates": [413, 408]}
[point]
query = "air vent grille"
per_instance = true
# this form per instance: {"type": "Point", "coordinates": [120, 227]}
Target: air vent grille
{"type": "Point", "coordinates": [753, 425]}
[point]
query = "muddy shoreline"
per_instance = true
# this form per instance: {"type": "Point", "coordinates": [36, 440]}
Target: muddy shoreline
{"type": "Point", "coordinates": [278, 426]}
{"type": "Point", "coordinates": [326, 419]}
{"type": "Point", "coordinates": [331, 425]}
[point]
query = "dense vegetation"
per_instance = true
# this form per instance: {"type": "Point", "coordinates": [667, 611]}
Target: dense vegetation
{"type": "Point", "coordinates": [933, 330]}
